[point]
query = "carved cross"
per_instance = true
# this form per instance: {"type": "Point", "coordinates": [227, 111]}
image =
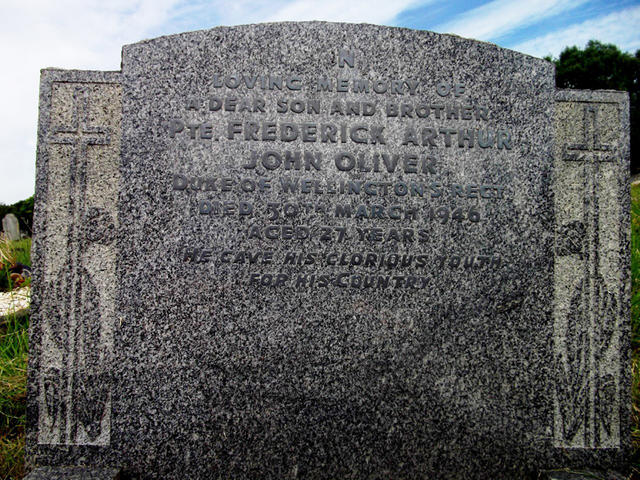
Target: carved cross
{"type": "Point", "coordinates": [590, 149]}
{"type": "Point", "coordinates": [79, 134]}
{"type": "Point", "coordinates": [591, 152]}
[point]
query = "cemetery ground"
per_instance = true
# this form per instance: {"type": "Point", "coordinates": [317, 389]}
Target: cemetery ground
{"type": "Point", "coordinates": [14, 349]}
{"type": "Point", "coordinates": [14, 321]}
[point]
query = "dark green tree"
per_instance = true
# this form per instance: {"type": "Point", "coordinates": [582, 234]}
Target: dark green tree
{"type": "Point", "coordinates": [604, 66]}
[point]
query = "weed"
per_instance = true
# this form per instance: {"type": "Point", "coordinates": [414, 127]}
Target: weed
{"type": "Point", "coordinates": [635, 325]}
{"type": "Point", "coordinates": [12, 457]}
{"type": "Point", "coordinates": [13, 393]}
{"type": "Point", "coordinates": [635, 266]}
{"type": "Point", "coordinates": [13, 254]}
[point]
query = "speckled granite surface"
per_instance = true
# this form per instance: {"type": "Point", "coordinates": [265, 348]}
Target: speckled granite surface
{"type": "Point", "coordinates": [74, 473]}
{"type": "Point", "coordinates": [582, 475]}
{"type": "Point", "coordinates": [329, 251]}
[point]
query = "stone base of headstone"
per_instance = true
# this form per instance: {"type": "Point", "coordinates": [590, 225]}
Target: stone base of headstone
{"type": "Point", "coordinates": [74, 473]}
{"type": "Point", "coordinates": [580, 475]}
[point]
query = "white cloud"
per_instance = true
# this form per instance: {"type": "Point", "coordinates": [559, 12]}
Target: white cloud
{"type": "Point", "coordinates": [198, 14]}
{"type": "Point", "coordinates": [251, 11]}
{"type": "Point", "coordinates": [620, 28]}
{"type": "Point", "coordinates": [89, 34]}
{"type": "Point", "coordinates": [356, 11]}
{"type": "Point", "coordinates": [76, 34]}
{"type": "Point", "coordinates": [499, 17]}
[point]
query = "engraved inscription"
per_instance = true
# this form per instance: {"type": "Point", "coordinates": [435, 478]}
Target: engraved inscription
{"type": "Point", "coordinates": [388, 166]}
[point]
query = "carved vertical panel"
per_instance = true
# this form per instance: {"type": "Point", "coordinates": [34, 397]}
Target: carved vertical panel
{"type": "Point", "coordinates": [588, 273]}
{"type": "Point", "coordinates": [81, 146]}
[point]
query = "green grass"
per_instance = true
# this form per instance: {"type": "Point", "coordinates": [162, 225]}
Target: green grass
{"type": "Point", "coordinates": [635, 323]}
{"type": "Point", "coordinates": [17, 252]}
{"type": "Point", "coordinates": [13, 393]}
{"type": "Point", "coordinates": [13, 372]}
{"type": "Point", "coordinates": [635, 266]}
{"type": "Point", "coordinates": [22, 250]}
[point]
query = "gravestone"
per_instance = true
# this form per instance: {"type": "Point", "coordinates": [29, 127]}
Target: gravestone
{"type": "Point", "coordinates": [317, 250]}
{"type": "Point", "coordinates": [11, 227]}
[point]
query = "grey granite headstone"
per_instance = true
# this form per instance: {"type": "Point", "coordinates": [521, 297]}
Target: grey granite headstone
{"type": "Point", "coordinates": [314, 250]}
{"type": "Point", "coordinates": [11, 227]}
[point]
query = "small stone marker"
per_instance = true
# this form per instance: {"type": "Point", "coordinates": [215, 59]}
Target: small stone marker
{"type": "Point", "coordinates": [316, 250]}
{"type": "Point", "coordinates": [11, 227]}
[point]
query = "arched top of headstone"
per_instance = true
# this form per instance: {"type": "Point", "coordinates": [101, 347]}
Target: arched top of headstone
{"type": "Point", "coordinates": [316, 44]}
{"type": "Point", "coordinates": [353, 33]}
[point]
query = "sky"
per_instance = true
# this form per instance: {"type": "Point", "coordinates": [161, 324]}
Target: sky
{"type": "Point", "coordinates": [88, 35]}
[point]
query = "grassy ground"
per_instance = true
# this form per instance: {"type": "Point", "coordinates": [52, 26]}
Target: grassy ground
{"type": "Point", "coordinates": [635, 321]}
{"type": "Point", "coordinates": [13, 386]}
{"type": "Point", "coordinates": [20, 252]}
{"type": "Point", "coordinates": [13, 372]}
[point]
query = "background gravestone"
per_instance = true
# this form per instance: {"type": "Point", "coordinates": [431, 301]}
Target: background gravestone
{"type": "Point", "coordinates": [329, 251]}
{"type": "Point", "coordinates": [11, 227]}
